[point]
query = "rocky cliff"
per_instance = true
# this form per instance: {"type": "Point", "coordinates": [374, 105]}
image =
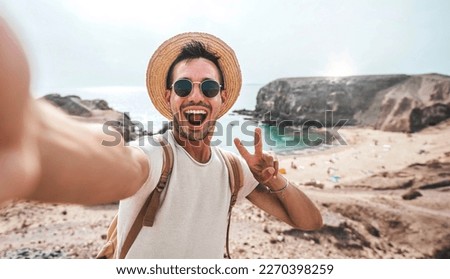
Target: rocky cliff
{"type": "Point", "coordinates": [95, 111]}
{"type": "Point", "coordinates": [400, 103]}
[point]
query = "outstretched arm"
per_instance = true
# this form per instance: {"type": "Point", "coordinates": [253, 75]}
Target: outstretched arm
{"type": "Point", "coordinates": [47, 156]}
{"type": "Point", "coordinates": [284, 200]}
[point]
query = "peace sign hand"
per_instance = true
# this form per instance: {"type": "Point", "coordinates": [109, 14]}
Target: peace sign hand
{"type": "Point", "coordinates": [263, 165]}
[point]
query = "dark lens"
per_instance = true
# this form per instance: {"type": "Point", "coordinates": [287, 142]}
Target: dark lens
{"type": "Point", "coordinates": [210, 88]}
{"type": "Point", "coordinates": [182, 87]}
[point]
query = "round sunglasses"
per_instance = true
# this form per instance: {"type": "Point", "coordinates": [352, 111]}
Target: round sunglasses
{"type": "Point", "coordinates": [183, 87]}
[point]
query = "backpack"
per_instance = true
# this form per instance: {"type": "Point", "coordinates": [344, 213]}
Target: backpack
{"type": "Point", "coordinates": [146, 215]}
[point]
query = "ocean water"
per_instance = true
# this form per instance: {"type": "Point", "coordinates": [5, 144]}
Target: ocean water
{"type": "Point", "coordinates": [136, 102]}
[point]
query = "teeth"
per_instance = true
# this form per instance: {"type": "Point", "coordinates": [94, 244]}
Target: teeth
{"type": "Point", "coordinates": [195, 116]}
{"type": "Point", "coordinates": [192, 111]}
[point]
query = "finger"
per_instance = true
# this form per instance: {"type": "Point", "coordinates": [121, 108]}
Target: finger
{"type": "Point", "coordinates": [276, 166]}
{"type": "Point", "coordinates": [267, 174]}
{"type": "Point", "coordinates": [267, 158]}
{"type": "Point", "coordinates": [274, 162]}
{"type": "Point", "coordinates": [242, 150]}
{"type": "Point", "coordinates": [258, 142]}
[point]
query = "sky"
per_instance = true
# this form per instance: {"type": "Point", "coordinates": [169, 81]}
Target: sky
{"type": "Point", "coordinates": [100, 43]}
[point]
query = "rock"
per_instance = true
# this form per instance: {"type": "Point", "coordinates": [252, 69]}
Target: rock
{"type": "Point", "coordinates": [442, 253]}
{"type": "Point", "coordinates": [439, 184]}
{"type": "Point", "coordinates": [416, 103]}
{"type": "Point", "coordinates": [245, 112]}
{"type": "Point", "coordinates": [165, 127]}
{"type": "Point", "coordinates": [280, 238]}
{"type": "Point", "coordinates": [30, 253]}
{"type": "Point", "coordinates": [400, 103]}
{"type": "Point", "coordinates": [97, 111]}
{"type": "Point", "coordinates": [372, 229]}
{"type": "Point", "coordinates": [411, 195]}
{"type": "Point", "coordinates": [96, 104]}
{"type": "Point", "coordinates": [70, 104]}
{"type": "Point", "coordinates": [315, 184]}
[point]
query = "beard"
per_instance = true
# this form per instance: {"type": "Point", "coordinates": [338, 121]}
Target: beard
{"type": "Point", "coordinates": [182, 128]}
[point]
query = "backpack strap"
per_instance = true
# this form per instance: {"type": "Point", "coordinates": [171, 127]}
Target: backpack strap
{"type": "Point", "coordinates": [153, 206]}
{"type": "Point", "coordinates": [236, 178]}
{"type": "Point", "coordinates": [148, 211]}
{"type": "Point", "coordinates": [109, 249]}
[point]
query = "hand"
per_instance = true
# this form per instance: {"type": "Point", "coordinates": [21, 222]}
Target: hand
{"type": "Point", "coordinates": [19, 157]}
{"type": "Point", "coordinates": [263, 165]}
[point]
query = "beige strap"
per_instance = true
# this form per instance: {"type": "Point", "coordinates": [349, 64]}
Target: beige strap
{"type": "Point", "coordinates": [236, 178]}
{"type": "Point", "coordinates": [148, 211]}
{"type": "Point", "coordinates": [153, 206]}
{"type": "Point", "coordinates": [134, 231]}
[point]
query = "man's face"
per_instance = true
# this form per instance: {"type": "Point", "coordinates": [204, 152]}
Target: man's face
{"type": "Point", "coordinates": [194, 116]}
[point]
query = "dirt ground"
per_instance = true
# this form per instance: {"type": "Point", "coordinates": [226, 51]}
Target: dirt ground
{"type": "Point", "coordinates": [382, 195]}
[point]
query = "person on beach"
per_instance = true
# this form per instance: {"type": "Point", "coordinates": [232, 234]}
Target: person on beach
{"type": "Point", "coordinates": [193, 79]}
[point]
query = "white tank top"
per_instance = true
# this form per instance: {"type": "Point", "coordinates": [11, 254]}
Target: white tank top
{"type": "Point", "coordinates": [192, 219]}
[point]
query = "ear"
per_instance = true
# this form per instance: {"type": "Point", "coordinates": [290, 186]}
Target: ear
{"type": "Point", "coordinates": [167, 95]}
{"type": "Point", "coordinates": [223, 95]}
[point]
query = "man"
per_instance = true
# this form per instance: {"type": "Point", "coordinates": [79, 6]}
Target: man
{"type": "Point", "coordinates": [192, 79]}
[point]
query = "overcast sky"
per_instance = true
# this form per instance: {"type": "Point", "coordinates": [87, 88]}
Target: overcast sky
{"type": "Point", "coordinates": [87, 43]}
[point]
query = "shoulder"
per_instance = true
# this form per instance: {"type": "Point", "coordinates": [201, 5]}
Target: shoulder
{"type": "Point", "coordinates": [151, 148]}
{"type": "Point", "coordinates": [229, 155]}
{"type": "Point", "coordinates": [148, 144]}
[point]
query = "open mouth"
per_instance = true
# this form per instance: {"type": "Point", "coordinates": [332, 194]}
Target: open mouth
{"type": "Point", "coordinates": [195, 117]}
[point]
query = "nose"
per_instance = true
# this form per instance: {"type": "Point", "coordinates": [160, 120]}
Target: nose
{"type": "Point", "coordinates": [196, 94]}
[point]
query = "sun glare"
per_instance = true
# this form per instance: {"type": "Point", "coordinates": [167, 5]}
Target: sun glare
{"type": "Point", "coordinates": [340, 65]}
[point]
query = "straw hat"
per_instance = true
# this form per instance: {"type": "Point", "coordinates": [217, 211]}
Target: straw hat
{"type": "Point", "coordinates": [164, 56]}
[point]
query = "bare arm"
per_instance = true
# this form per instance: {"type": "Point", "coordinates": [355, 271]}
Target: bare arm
{"type": "Point", "coordinates": [77, 167]}
{"type": "Point", "coordinates": [47, 156]}
{"type": "Point", "coordinates": [290, 204]}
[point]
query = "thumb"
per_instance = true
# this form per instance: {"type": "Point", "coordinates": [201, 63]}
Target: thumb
{"type": "Point", "coordinates": [268, 174]}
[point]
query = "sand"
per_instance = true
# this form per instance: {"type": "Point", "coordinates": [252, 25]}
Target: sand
{"type": "Point", "coordinates": [359, 188]}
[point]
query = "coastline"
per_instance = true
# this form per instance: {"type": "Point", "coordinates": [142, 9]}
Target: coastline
{"type": "Point", "coordinates": [362, 191]}
{"type": "Point", "coordinates": [358, 188]}
{"type": "Point", "coordinates": [368, 152]}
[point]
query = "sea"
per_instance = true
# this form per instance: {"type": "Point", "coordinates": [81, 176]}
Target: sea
{"type": "Point", "coordinates": [136, 102]}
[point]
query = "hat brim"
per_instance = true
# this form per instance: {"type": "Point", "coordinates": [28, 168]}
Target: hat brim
{"type": "Point", "coordinates": [164, 56]}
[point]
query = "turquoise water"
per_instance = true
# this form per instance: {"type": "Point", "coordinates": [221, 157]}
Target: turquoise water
{"type": "Point", "coordinates": [136, 102]}
{"type": "Point", "coordinates": [287, 141]}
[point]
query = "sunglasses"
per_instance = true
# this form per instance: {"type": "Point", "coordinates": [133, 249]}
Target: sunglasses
{"type": "Point", "coordinates": [183, 87]}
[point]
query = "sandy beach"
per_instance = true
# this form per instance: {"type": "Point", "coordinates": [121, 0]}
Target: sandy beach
{"type": "Point", "coordinates": [382, 195]}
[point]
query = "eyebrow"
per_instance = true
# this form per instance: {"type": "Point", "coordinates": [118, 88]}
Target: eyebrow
{"type": "Point", "coordinates": [200, 81]}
